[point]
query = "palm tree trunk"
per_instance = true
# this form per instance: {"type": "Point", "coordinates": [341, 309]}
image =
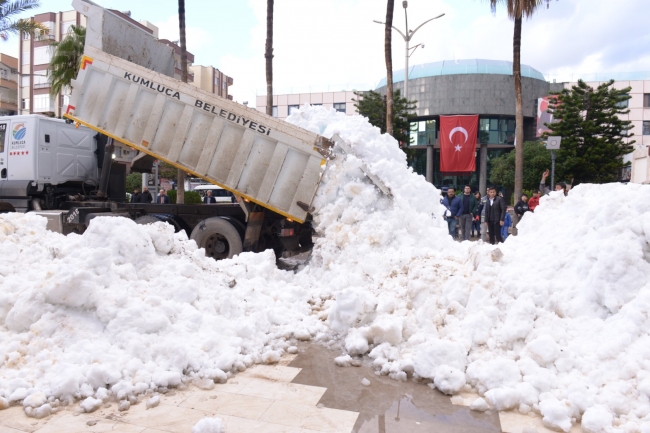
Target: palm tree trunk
{"type": "Point", "coordinates": [388, 32]}
{"type": "Point", "coordinates": [519, 112]}
{"type": "Point", "coordinates": [180, 187]}
{"type": "Point", "coordinates": [269, 57]}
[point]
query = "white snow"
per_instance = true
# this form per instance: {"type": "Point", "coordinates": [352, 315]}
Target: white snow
{"type": "Point", "coordinates": [365, 382]}
{"type": "Point", "coordinates": [209, 425]}
{"type": "Point", "coordinates": [556, 320]}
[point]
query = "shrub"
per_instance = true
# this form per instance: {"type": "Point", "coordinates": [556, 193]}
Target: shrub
{"type": "Point", "coordinates": [191, 197]}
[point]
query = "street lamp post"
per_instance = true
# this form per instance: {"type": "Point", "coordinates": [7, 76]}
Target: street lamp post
{"type": "Point", "coordinates": [407, 38]}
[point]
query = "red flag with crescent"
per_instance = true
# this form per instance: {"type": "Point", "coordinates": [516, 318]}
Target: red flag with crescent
{"type": "Point", "coordinates": [458, 136]}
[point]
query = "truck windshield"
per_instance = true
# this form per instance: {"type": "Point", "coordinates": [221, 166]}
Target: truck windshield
{"type": "Point", "coordinates": [3, 130]}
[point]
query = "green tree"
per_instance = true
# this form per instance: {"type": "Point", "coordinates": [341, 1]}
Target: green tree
{"type": "Point", "coordinates": [373, 105]}
{"type": "Point", "coordinates": [133, 180]}
{"type": "Point", "coordinates": [66, 59]}
{"type": "Point", "coordinates": [517, 10]}
{"type": "Point", "coordinates": [536, 160]}
{"type": "Point", "coordinates": [8, 25]}
{"type": "Point", "coordinates": [191, 197]}
{"type": "Point", "coordinates": [594, 138]}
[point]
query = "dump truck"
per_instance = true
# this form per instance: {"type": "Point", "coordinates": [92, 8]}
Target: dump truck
{"type": "Point", "coordinates": [126, 93]}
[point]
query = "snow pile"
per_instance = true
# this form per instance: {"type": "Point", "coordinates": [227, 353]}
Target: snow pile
{"type": "Point", "coordinates": [126, 309]}
{"type": "Point", "coordinates": [554, 321]}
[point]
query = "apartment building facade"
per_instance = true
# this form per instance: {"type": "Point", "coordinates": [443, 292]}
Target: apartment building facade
{"type": "Point", "coordinates": [212, 80]}
{"type": "Point", "coordinates": [8, 85]}
{"type": "Point", "coordinates": [283, 105]}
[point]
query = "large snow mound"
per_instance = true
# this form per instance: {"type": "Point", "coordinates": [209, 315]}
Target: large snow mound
{"type": "Point", "coordinates": [555, 320]}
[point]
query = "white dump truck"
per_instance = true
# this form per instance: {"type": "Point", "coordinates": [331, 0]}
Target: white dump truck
{"type": "Point", "coordinates": [125, 91]}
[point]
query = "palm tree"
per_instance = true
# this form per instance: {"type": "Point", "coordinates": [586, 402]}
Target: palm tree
{"type": "Point", "coordinates": [388, 31]}
{"type": "Point", "coordinates": [66, 59]}
{"type": "Point", "coordinates": [517, 9]}
{"type": "Point", "coordinates": [180, 187]}
{"type": "Point", "coordinates": [269, 57]}
{"type": "Point", "coordinates": [9, 9]}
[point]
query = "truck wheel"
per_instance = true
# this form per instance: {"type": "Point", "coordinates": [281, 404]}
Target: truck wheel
{"type": "Point", "coordinates": [219, 238]}
{"type": "Point", "coordinates": [6, 207]}
{"type": "Point", "coordinates": [147, 219]}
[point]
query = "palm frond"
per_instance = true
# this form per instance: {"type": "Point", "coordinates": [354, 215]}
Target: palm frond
{"type": "Point", "coordinates": [10, 8]}
{"type": "Point", "coordinates": [66, 59]}
{"type": "Point", "coordinates": [518, 8]}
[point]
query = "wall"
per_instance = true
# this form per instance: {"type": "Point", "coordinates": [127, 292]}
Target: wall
{"type": "Point", "coordinates": [326, 99]}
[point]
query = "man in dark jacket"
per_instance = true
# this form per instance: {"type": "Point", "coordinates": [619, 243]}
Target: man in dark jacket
{"type": "Point", "coordinates": [208, 199]}
{"type": "Point", "coordinates": [163, 198]}
{"type": "Point", "coordinates": [470, 206]}
{"type": "Point", "coordinates": [522, 206]}
{"type": "Point", "coordinates": [495, 215]}
{"type": "Point", "coordinates": [146, 196]}
{"type": "Point", "coordinates": [454, 209]}
{"type": "Point", "coordinates": [135, 197]}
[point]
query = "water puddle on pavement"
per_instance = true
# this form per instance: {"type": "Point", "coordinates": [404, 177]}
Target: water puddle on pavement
{"type": "Point", "coordinates": [385, 405]}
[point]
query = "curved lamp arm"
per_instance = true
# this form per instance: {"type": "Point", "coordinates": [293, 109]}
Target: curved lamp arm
{"type": "Point", "coordinates": [435, 18]}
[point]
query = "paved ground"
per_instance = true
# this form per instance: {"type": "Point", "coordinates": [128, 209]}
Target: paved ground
{"type": "Point", "coordinates": [306, 393]}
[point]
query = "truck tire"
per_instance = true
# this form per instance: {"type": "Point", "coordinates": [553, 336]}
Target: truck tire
{"type": "Point", "coordinates": [6, 207]}
{"type": "Point", "coordinates": [147, 219]}
{"type": "Point", "coordinates": [219, 237]}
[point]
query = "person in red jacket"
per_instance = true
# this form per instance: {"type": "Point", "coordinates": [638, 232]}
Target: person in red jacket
{"type": "Point", "coordinates": [534, 201]}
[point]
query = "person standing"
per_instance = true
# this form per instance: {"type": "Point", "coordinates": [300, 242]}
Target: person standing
{"type": "Point", "coordinates": [208, 199]}
{"type": "Point", "coordinates": [146, 196]}
{"type": "Point", "coordinates": [163, 198]}
{"type": "Point", "coordinates": [469, 207]}
{"type": "Point", "coordinates": [560, 186]}
{"type": "Point", "coordinates": [454, 207]}
{"type": "Point", "coordinates": [476, 222]}
{"type": "Point", "coordinates": [135, 197]}
{"type": "Point", "coordinates": [495, 214]}
{"type": "Point", "coordinates": [534, 200]}
{"type": "Point", "coordinates": [522, 206]}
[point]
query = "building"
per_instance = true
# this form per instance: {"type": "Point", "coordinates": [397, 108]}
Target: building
{"type": "Point", "coordinates": [474, 86]}
{"type": "Point", "coordinates": [212, 80]}
{"type": "Point", "coordinates": [639, 107]}
{"type": "Point", "coordinates": [8, 85]}
{"type": "Point", "coordinates": [284, 104]}
{"type": "Point", "coordinates": [35, 55]}
{"type": "Point", "coordinates": [486, 88]}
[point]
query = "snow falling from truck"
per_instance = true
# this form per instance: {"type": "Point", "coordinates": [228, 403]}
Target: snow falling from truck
{"type": "Point", "coordinates": [555, 320]}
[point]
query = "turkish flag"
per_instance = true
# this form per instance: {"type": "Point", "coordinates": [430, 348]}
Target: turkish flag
{"type": "Point", "coordinates": [458, 143]}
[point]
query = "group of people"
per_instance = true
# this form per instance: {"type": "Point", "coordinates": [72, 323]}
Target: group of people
{"type": "Point", "coordinates": [146, 197]}
{"type": "Point", "coordinates": [471, 212]}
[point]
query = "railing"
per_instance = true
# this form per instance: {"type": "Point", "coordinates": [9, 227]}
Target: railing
{"type": "Point", "coordinates": [42, 85]}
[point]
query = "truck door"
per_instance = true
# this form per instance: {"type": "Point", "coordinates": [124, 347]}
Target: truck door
{"type": "Point", "coordinates": [3, 151]}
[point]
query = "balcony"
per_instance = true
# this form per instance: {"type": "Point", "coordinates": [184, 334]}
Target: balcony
{"type": "Point", "coordinates": [42, 86]}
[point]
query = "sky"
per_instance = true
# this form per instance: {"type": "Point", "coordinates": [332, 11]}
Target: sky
{"type": "Point", "coordinates": [322, 45]}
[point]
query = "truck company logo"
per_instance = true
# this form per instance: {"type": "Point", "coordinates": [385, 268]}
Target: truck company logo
{"type": "Point", "coordinates": [152, 85]}
{"type": "Point", "coordinates": [19, 131]}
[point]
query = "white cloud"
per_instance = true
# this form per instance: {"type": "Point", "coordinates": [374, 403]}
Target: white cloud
{"type": "Point", "coordinates": [196, 37]}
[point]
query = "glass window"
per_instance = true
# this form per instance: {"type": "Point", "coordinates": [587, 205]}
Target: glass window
{"type": "Point", "coordinates": [42, 55]}
{"type": "Point", "coordinates": [25, 104]}
{"type": "Point", "coordinates": [43, 103]}
{"type": "Point", "coordinates": [3, 131]}
{"type": "Point", "coordinates": [41, 81]}
{"type": "Point", "coordinates": [623, 104]}
{"type": "Point", "coordinates": [293, 108]}
{"type": "Point", "coordinates": [25, 36]}
{"type": "Point", "coordinates": [65, 27]}
{"type": "Point", "coordinates": [274, 111]}
{"type": "Point", "coordinates": [340, 107]}
{"type": "Point", "coordinates": [646, 100]}
{"type": "Point", "coordinates": [646, 127]}
{"type": "Point", "coordinates": [423, 133]}
{"type": "Point", "coordinates": [496, 130]}
{"type": "Point", "coordinates": [24, 80]}
{"type": "Point", "coordinates": [216, 81]}
{"type": "Point", "coordinates": [26, 57]}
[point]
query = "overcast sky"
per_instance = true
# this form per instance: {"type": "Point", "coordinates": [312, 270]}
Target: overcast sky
{"type": "Point", "coordinates": [335, 44]}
